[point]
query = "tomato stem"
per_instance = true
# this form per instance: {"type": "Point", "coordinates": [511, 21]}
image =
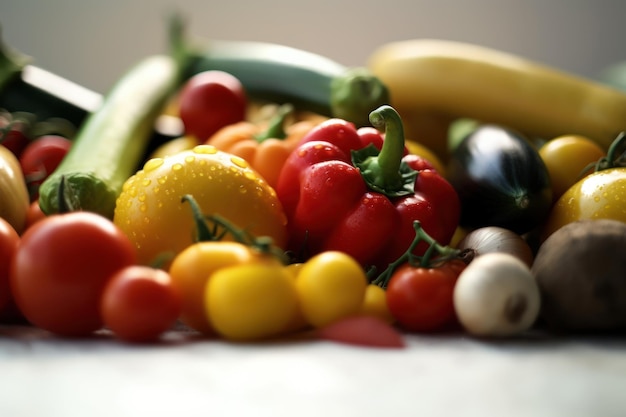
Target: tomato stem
{"type": "Point", "coordinates": [613, 157]}
{"type": "Point", "coordinates": [263, 244]}
{"type": "Point", "coordinates": [425, 261]}
{"type": "Point", "coordinates": [276, 128]}
{"type": "Point", "coordinates": [203, 233]}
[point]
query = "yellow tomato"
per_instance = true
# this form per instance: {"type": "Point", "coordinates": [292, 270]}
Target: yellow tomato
{"type": "Point", "coordinates": [375, 303]}
{"type": "Point", "coordinates": [566, 157]}
{"type": "Point", "coordinates": [330, 286]}
{"type": "Point", "coordinates": [601, 195]}
{"type": "Point", "coordinates": [191, 269]}
{"type": "Point", "coordinates": [252, 301]}
{"type": "Point", "coordinates": [152, 214]}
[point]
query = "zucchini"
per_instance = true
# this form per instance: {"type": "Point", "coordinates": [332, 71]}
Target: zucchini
{"type": "Point", "coordinates": [110, 144]}
{"type": "Point", "coordinates": [500, 179]}
{"type": "Point", "coordinates": [428, 76]}
{"type": "Point", "coordinates": [282, 74]}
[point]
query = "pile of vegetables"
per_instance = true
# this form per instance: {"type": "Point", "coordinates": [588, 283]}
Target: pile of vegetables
{"type": "Point", "coordinates": [414, 195]}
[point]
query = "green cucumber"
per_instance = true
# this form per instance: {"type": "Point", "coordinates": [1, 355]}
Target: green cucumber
{"type": "Point", "coordinates": [283, 74]}
{"type": "Point", "coordinates": [111, 142]}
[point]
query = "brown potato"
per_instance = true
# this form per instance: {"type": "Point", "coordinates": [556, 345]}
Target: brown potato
{"type": "Point", "coordinates": [581, 272]}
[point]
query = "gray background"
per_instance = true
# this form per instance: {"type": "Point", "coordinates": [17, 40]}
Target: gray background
{"type": "Point", "coordinates": [94, 42]}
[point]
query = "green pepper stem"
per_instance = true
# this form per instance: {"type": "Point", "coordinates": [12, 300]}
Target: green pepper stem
{"type": "Point", "coordinates": [276, 128]}
{"type": "Point", "coordinates": [386, 171]}
{"type": "Point", "coordinates": [386, 119]}
{"type": "Point", "coordinates": [444, 253]}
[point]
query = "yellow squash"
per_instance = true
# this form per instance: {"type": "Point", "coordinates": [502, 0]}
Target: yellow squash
{"type": "Point", "coordinates": [429, 77]}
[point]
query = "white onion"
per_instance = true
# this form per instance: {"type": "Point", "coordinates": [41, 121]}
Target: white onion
{"type": "Point", "coordinates": [497, 239]}
{"type": "Point", "coordinates": [496, 295]}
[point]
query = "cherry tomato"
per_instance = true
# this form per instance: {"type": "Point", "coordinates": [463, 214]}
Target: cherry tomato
{"type": "Point", "coordinates": [251, 302]}
{"type": "Point", "coordinates": [209, 101]}
{"type": "Point", "coordinates": [61, 268]}
{"type": "Point", "coordinates": [191, 269]}
{"type": "Point", "coordinates": [600, 195]}
{"type": "Point", "coordinates": [9, 241]}
{"type": "Point", "coordinates": [566, 157]}
{"type": "Point", "coordinates": [331, 286]}
{"type": "Point", "coordinates": [375, 303]}
{"type": "Point", "coordinates": [14, 132]}
{"type": "Point", "coordinates": [40, 158]}
{"type": "Point", "coordinates": [140, 303]}
{"type": "Point", "coordinates": [421, 299]}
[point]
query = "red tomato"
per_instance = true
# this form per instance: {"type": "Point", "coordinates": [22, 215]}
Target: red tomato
{"type": "Point", "coordinates": [9, 240]}
{"type": "Point", "coordinates": [140, 303]}
{"type": "Point", "coordinates": [209, 101]}
{"type": "Point", "coordinates": [40, 158]}
{"type": "Point", "coordinates": [363, 331]}
{"type": "Point", "coordinates": [421, 299]}
{"type": "Point", "coordinates": [13, 133]}
{"type": "Point", "coordinates": [61, 268]}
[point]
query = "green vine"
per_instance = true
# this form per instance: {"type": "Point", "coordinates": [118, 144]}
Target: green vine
{"type": "Point", "coordinates": [436, 254]}
{"type": "Point", "coordinates": [222, 227]}
{"type": "Point", "coordinates": [615, 157]}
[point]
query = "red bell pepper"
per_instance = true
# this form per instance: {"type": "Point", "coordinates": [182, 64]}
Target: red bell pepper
{"type": "Point", "coordinates": [351, 190]}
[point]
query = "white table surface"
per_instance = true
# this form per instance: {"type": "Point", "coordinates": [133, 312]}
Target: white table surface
{"type": "Point", "coordinates": [435, 375]}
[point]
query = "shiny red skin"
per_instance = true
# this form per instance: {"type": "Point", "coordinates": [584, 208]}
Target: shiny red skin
{"type": "Point", "coordinates": [330, 207]}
